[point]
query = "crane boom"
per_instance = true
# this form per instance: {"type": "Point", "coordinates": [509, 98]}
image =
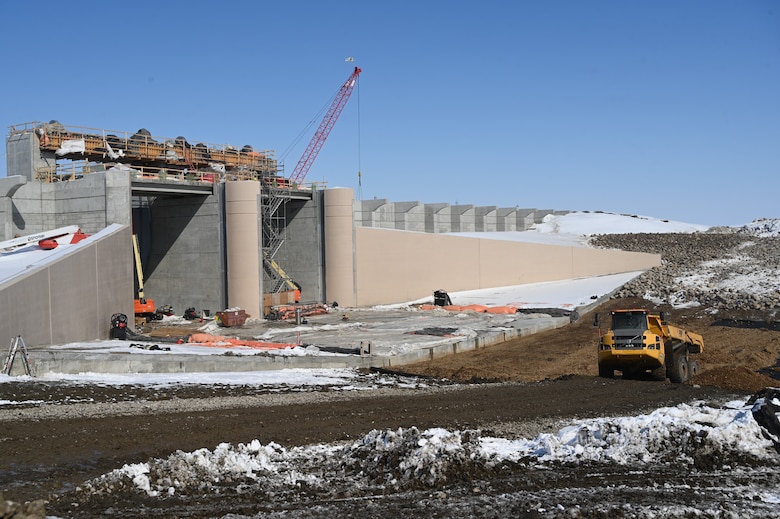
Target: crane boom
{"type": "Point", "coordinates": [326, 125]}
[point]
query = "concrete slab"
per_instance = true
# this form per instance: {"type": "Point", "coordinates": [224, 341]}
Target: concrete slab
{"type": "Point", "coordinates": [377, 339]}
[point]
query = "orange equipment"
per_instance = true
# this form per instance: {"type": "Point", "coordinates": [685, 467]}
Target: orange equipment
{"type": "Point", "coordinates": [143, 308]}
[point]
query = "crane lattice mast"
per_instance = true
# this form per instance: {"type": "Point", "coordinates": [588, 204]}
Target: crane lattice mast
{"type": "Point", "coordinates": [326, 125]}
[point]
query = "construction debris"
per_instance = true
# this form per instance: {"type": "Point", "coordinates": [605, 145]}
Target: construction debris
{"type": "Point", "coordinates": [230, 318]}
{"type": "Point", "coordinates": [296, 311]}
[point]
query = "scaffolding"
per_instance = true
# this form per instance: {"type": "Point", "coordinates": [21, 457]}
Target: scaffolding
{"type": "Point", "coordinates": [156, 157]}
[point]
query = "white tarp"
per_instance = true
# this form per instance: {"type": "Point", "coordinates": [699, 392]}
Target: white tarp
{"type": "Point", "coordinates": [113, 154]}
{"type": "Point", "coordinates": [71, 146]}
{"type": "Point", "coordinates": [219, 168]}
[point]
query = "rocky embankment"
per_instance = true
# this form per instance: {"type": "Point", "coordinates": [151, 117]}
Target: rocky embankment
{"type": "Point", "coordinates": [735, 272]}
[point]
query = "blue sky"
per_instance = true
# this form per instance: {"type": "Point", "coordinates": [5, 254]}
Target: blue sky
{"type": "Point", "coordinates": [668, 109]}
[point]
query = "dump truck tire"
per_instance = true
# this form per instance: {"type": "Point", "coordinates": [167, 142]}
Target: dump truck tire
{"type": "Point", "coordinates": [679, 370]}
{"type": "Point", "coordinates": [606, 373]}
{"type": "Point", "coordinates": [693, 368]}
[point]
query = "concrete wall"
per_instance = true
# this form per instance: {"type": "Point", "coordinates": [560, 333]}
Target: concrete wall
{"type": "Point", "coordinates": [437, 218]}
{"type": "Point", "coordinates": [92, 203]}
{"type": "Point", "coordinates": [394, 266]}
{"type": "Point", "coordinates": [73, 298]}
{"type": "Point", "coordinates": [8, 188]}
{"type": "Point", "coordinates": [462, 218]}
{"type": "Point", "coordinates": [206, 252]}
{"type": "Point", "coordinates": [409, 216]}
{"type": "Point", "coordinates": [506, 219]}
{"type": "Point", "coordinates": [445, 218]}
{"type": "Point", "coordinates": [185, 264]}
{"type": "Point", "coordinates": [301, 253]}
{"type": "Point", "coordinates": [24, 156]}
{"type": "Point", "coordinates": [485, 219]}
{"type": "Point", "coordinates": [369, 266]}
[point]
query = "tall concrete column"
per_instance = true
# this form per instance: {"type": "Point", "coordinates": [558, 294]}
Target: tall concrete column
{"type": "Point", "coordinates": [244, 252]}
{"type": "Point", "coordinates": [340, 283]}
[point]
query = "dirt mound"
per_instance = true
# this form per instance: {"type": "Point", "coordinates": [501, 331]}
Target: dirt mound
{"type": "Point", "coordinates": [739, 378]}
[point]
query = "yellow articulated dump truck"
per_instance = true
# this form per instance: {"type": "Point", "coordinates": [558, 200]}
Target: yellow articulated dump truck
{"type": "Point", "coordinates": [641, 341]}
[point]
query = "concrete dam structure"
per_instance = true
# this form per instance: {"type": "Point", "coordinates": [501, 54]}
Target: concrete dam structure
{"type": "Point", "coordinates": [221, 227]}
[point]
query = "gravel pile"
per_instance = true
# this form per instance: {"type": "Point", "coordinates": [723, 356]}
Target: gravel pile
{"type": "Point", "coordinates": [725, 269]}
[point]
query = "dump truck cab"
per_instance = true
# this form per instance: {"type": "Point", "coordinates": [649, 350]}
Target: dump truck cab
{"type": "Point", "coordinates": [639, 341]}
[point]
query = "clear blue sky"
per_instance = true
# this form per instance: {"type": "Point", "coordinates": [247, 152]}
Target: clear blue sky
{"type": "Point", "coordinates": [668, 108]}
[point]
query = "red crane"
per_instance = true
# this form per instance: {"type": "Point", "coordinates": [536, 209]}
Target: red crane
{"type": "Point", "coordinates": [331, 116]}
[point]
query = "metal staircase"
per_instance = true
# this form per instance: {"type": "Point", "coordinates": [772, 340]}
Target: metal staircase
{"type": "Point", "coordinates": [273, 217]}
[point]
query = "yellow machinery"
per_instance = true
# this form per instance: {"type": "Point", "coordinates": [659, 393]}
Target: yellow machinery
{"type": "Point", "coordinates": [143, 308]}
{"type": "Point", "coordinates": [640, 341]}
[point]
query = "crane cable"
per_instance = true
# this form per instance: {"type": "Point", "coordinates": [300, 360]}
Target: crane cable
{"type": "Point", "coordinates": [360, 174]}
{"type": "Point", "coordinates": [311, 123]}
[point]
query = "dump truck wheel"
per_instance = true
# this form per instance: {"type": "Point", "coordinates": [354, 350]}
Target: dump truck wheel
{"type": "Point", "coordinates": [693, 368]}
{"type": "Point", "coordinates": [605, 372]}
{"type": "Point", "coordinates": [679, 370]}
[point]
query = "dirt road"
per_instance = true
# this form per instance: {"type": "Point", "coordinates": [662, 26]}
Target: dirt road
{"type": "Point", "coordinates": [51, 455]}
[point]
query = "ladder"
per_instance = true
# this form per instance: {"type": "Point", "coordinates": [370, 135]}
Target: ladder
{"type": "Point", "coordinates": [12, 350]}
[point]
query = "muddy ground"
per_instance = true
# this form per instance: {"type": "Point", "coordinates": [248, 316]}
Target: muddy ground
{"type": "Point", "coordinates": [515, 389]}
{"type": "Point", "coordinates": [741, 351]}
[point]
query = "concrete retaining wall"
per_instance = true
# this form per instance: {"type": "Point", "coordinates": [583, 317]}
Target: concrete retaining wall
{"type": "Point", "coordinates": [371, 266]}
{"type": "Point", "coordinates": [72, 299]}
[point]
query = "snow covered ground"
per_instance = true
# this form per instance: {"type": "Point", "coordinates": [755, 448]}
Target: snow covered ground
{"type": "Point", "coordinates": [425, 455]}
{"type": "Point", "coordinates": [688, 447]}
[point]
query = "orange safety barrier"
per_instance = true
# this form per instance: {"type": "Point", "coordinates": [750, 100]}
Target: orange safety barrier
{"type": "Point", "coordinates": [502, 310]}
{"type": "Point", "coordinates": [218, 341]}
{"type": "Point", "coordinates": [482, 309]}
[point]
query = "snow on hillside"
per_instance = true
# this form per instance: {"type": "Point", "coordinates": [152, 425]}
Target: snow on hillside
{"type": "Point", "coordinates": [762, 227]}
{"type": "Point", "coordinates": [588, 223]}
{"type": "Point", "coordinates": [573, 229]}
{"type": "Point", "coordinates": [724, 268]}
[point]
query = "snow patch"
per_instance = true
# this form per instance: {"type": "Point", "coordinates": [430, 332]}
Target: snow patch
{"type": "Point", "coordinates": [696, 435]}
